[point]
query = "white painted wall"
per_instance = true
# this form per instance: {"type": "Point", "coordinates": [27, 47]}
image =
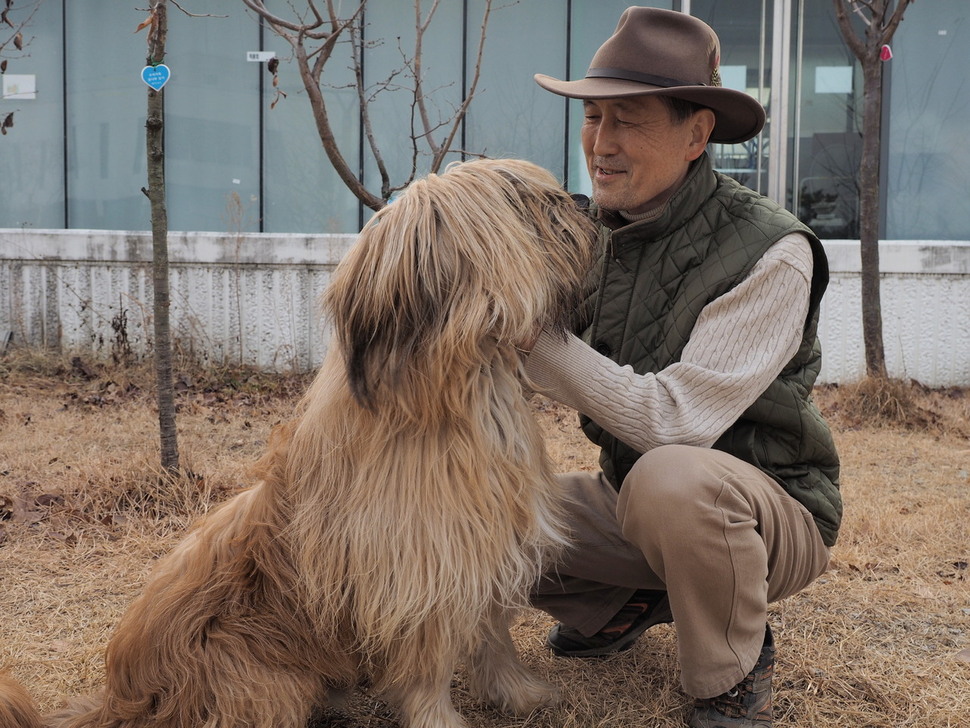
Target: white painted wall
{"type": "Point", "coordinates": [925, 295]}
{"type": "Point", "coordinates": [253, 298]}
{"type": "Point", "coordinates": [248, 299]}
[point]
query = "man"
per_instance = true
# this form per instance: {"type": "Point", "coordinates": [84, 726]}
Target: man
{"type": "Point", "coordinates": [693, 372]}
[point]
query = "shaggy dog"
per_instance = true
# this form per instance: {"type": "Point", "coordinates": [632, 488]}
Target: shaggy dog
{"type": "Point", "coordinates": [402, 514]}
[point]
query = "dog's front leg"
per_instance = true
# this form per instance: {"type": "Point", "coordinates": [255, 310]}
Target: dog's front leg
{"type": "Point", "coordinates": [424, 700]}
{"type": "Point", "coordinates": [497, 676]}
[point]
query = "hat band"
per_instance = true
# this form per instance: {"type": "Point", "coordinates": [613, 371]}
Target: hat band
{"type": "Point", "coordinates": [625, 75]}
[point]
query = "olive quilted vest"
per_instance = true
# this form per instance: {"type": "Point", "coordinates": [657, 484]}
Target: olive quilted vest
{"type": "Point", "coordinates": [652, 281]}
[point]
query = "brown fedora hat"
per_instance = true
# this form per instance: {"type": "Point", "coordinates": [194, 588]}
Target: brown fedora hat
{"type": "Point", "coordinates": [665, 53]}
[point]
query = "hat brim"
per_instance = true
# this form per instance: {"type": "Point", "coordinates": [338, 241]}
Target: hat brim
{"type": "Point", "coordinates": [738, 116]}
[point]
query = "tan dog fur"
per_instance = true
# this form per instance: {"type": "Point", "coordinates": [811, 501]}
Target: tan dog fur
{"type": "Point", "coordinates": [403, 513]}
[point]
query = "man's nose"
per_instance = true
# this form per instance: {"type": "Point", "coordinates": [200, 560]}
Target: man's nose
{"type": "Point", "coordinates": [604, 141]}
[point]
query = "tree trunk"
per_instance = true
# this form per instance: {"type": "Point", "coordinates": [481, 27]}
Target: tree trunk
{"type": "Point", "coordinates": [869, 217]}
{"type": "Point", "coordinates": [155, 146]}
{"type": "Point", "coordinates": [881, 19]}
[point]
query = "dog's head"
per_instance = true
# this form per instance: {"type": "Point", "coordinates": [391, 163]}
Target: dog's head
{"type": "Point", "coordinates": [461, 263]}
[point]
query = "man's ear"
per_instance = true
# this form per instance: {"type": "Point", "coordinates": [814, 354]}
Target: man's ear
{"type": "Point", "coordinates": [701, 127]}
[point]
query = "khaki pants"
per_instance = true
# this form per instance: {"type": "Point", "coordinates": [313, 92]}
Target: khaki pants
{"type": "Point", "coordinates": [719, 535]}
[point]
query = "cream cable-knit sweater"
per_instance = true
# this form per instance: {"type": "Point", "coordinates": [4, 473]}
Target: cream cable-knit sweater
{"type": "Point", "coordinates": [740, 343]}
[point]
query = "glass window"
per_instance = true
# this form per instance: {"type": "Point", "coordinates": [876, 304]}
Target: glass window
{"type": "Point", "coordinates": [827, 125]}
{"type": "Point", "coordinates": [76, 155]}
{"type": "Point", "coordinates": [302, 192]}
{"type": "Point", "coordinates": [743, 27]}
{"type": "Point", "coordinates": [106, 108]}
{"type": "Point", "coordinates": [212, 120]}
{"type": "Point", "coordinates": [390, 35]}
{"type": "Point", "coordinates": [32, 151]}
{"type": "Point", "coordinates": [929, 114]}
{"type": "Point", "coordinates": [511, 116]}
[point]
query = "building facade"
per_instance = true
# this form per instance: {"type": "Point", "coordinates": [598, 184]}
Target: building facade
{"type": "Point", "coordinates": [76, 155]}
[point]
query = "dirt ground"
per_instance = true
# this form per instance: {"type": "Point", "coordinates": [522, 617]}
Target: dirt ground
{"type": "Point", "coordinates": [882, 639]}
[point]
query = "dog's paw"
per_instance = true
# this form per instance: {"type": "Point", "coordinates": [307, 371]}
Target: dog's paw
{"type": "Point", "coordinates": [520, 694]}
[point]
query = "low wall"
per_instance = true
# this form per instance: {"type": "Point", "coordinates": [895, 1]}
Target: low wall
{"type": "Point", "coordinates": [252, 299]}
{"type": "Point", "coordinates": [925, 296]}
{"type": "Point", "coordinates": [249, 299]}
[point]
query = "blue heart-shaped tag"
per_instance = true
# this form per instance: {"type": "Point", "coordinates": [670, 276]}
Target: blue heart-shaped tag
{"type": "Point", "coordinates": [156, 76]}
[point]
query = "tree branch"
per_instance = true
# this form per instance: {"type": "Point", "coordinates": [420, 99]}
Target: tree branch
{"type": "Point", "coordinates": [17, 36]}
{"type": "Point", "coordinates": [327, 138]}
{"type": "Point", "coordinates": [419, 96]}
{"type": "Point", "coordinates": [259, 7]}
{"type": "Point", "coordinates": [895, 20]}
{"type": "Point", "coordinates": [313, 33]}
{"type": "Point", "coordinates": [855, 44]}
{"type": "Point", "coordinates": [196, 15]}
{"type": "Point", "coordinates": [356, 44]}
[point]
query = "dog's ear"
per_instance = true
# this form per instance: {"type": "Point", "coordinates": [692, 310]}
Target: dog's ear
{"type": "Point", "coordinates": [381, 343]}
{"type": "Point", "coordinates": [387, 300]}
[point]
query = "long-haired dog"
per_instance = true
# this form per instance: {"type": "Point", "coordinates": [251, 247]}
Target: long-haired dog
{"type": "Point", "coordinates": [408, 507]}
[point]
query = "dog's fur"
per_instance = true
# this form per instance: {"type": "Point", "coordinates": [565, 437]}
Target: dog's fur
{"type": "Point", "coordinates": [17, 710]}
{"type": "Point", "coordinates": [404, 512]}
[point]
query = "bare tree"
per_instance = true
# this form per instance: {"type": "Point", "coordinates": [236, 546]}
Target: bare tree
{"type": "Point", "coordinates": [313, 34]}
{"type": "Point", "coordinates": [157, 24]}
{"type": "Point", "coordinates": [880, 18]}
{"type": "Point", "coordinates": [12, 44]}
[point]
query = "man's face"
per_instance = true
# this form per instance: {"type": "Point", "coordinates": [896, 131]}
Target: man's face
{"type": "Point", "coordinates": [636, 154]}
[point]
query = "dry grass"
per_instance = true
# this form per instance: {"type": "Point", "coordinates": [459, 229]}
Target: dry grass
{"type": "Point", "coordinates": [883, 639]}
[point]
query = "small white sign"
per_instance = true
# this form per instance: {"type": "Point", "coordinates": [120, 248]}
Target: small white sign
{"type": "Point", "coordinates": [19, 86]}
{"type": "Point", "coordinates": [260, 56]}
{"type": "Point", "coordinates": [833, 79]}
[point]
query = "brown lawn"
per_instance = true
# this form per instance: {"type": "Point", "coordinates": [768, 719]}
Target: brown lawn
{"type": "Point", "coordinates": [883, 639]}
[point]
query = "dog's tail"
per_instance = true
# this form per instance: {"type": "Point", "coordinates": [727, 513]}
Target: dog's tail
{"type": "Point", "coordinates": [17, 708]}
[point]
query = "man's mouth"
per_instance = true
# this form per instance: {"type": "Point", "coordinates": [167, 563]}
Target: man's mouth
{"type": "Point", "coordinates": [606, 172]}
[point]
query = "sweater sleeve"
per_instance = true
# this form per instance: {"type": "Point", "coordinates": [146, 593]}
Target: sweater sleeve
{"type": "Point", "coordinates": [740, 343]}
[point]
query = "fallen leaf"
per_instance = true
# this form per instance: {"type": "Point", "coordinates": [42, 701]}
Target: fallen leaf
{"type": "Point", "coordinates": [963, 655]}
{"type": "Point", "coordinates": [46, 500]}
{"type": "Point", "coordinates": [146, 22]}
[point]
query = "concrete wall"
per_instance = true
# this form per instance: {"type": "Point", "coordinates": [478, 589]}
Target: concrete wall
{"type": "Point", "coordinates": [253, 299]}
{"type": "Point", "coordinates": [925, 295]}
{"type": "Point", "coordinates": [248, 299]}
